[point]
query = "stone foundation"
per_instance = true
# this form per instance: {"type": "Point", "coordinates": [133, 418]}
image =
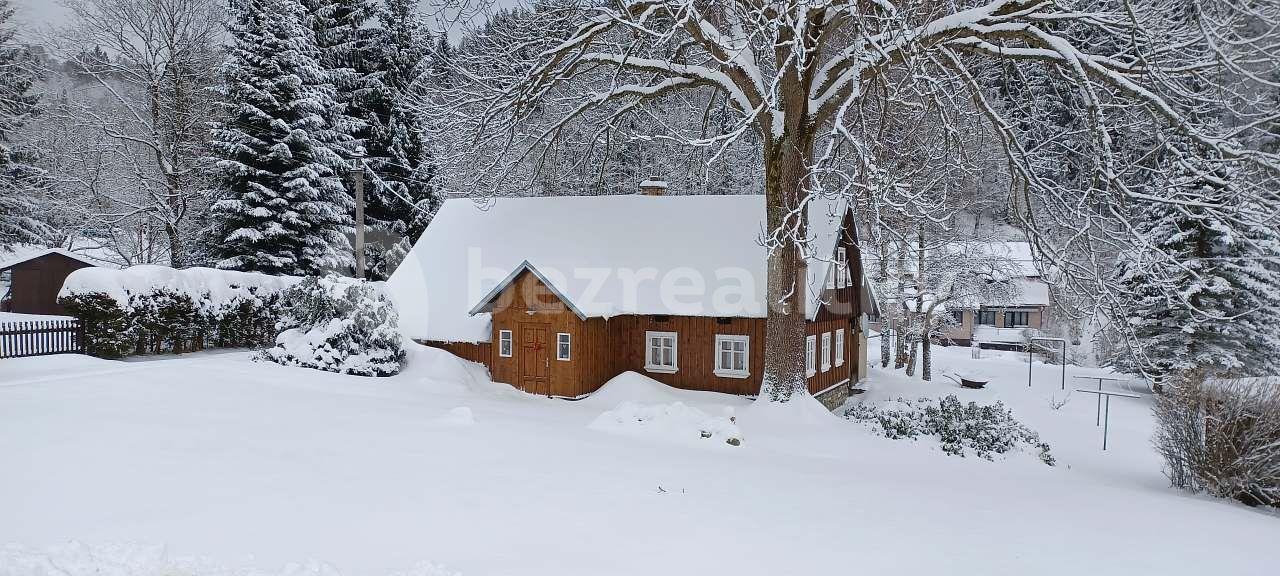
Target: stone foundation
{"type": "Point", "coordinates": [835, 397]}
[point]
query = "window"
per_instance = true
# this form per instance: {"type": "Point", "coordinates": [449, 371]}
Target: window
{"type": "Point", "coordinates": [731, 356]}
{"type": "Point", "coordinates": [826, 351]}
{"type": "Point", "coordinates": [562, 346]}
{"type": "Point", "coordinates": [504, 343]}
{"type": "Point", "coordinates": [840, 347]}
{"type": "Point", "coordinates": [842, 268]}
{"type": "Point", "coordinates": [957, 316]}
{"type": "Point", "coordinates": [987, 317]}
{"type": "Point", "coordinates": [810, 352]}
{"type": "Point", "coordinates": [831, 276]}
{"type": "Point", "coordinates": [1017, 319]}
{"type": "Point", "coordinates": [660, 351]}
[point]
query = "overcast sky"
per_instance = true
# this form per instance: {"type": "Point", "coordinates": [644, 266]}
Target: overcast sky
{"type": "Point", "coordinates": [35, 15]}
{"type": "Point", "coordinates": [39, 12]}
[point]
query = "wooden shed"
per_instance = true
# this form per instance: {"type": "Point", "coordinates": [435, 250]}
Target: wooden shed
{"type": "Point", "coordinates": [34, 279]}
{"type": "Point", "coordinates": [557, 295]}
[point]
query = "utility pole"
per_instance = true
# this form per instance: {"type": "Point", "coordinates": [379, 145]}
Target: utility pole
{"type": "Point", "coordinates": [357, 174]}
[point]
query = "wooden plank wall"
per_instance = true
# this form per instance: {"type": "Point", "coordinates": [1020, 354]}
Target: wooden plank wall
{"type": "Point", "coordinates": [36, 283]}
{"type": "Point", "coordinates": [528, 300]}
{"type": "Point", "coordinates": [822, 380]}
{"type": "Point", "coordinates": [475, 352]}
{"type": "Point", "coordinates": [695, 350]}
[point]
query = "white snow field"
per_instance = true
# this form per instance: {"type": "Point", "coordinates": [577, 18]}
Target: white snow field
{"type": "Point", "coordinates": [214, 464]}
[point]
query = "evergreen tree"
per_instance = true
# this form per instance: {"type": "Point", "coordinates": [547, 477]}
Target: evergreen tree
{"type": "Point", "coordinates": [1226, 319]}
{"type": "Point", "coordinates": [21, 183]}
{"type": "Point", "coordinates": [347, 52]}
{"type": "Point", "coordinates": [285, 210]}
{"type": "Point", "coordinates": [401, 198]}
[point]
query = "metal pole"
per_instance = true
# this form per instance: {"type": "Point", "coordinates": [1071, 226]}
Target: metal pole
{"type": "Point", "coordinates": [1098, 418]}
{"type": "Point", "coordinates": [1106, 424]}
{"type": "Point", "coordinates": [357, 173]}
{"type": "Point", "coordinates": [1030, 343]}
{"type": "Point", "coordinates": [1063, 360]}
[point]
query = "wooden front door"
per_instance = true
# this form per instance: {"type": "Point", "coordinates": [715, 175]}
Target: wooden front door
{"type": "Point", "coordinates": [535, 359]}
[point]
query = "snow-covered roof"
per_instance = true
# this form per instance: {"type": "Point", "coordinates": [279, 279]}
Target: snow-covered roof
{"type": "Point", "coordinates": [1035, 292]}
{"type": "Point", "coordinates": [15, 254]}
{"type": "Point", "coordinates": [604, 255]}
{"type": "Point", "coordinates": [1018, 253]}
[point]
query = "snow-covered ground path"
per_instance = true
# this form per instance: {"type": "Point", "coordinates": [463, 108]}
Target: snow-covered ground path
{"type": "Point", "coordinates": [251, 466]}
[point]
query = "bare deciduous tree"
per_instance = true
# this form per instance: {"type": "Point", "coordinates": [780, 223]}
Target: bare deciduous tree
{"type": "Point", "coordinates": [800, 76]}
{"type": "Point", "coordinates": [156, 64]}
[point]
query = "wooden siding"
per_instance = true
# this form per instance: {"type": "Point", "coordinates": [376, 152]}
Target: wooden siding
{"type": "Point", "coordinates": [475, 352]}
{"type": "Point", "coordinates": [695, 350]}
{"type": "Point", "coordinates": [36, 283]}
{"type": "Point", "coordinates": [528, 304]}
{"type": "Point", "coordinates": [823, 380]}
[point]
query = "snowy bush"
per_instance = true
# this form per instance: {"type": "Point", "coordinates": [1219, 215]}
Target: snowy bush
{"type": "Point", "coordinates": [339, 325]}
{"type": "Point", "coordinates": [107, 329]}
{"type": "Point", "coordinates": [975, 428]}
{"type": "Point", "coordinates": [154, 309]}
{"type": "Point", "coordinates": [1222, 437]}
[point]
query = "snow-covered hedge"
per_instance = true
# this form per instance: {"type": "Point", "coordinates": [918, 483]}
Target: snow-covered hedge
{"type": "Point", "coordinates": [961, 428]}
{"type": "Point", "coordinates": [153, 309]}
{"type": "Point", "coordinates": [339, 325]}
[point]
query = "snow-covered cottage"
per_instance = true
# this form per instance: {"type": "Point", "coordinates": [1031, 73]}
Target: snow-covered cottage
{"type": "Point", "coordinates": [1006, 324]}
{"type": "Point", "coordinates": [556, 295]}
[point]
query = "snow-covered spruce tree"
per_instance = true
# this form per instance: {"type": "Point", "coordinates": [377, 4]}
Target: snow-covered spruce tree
{"type": "Point", "coordinates": [21, 183]}
{"type": "Point", "coordinates": [803, 76]}
{"type": "Point", "coordinates": [284, 209]}
{"type": "Point", "coordinates": [402, 197]}
{"type": "Point", "coordinates": [346, 50]}
{"type": "Point", "coordinates": [339, 325]}
{"type": "Point", "coordinates": [1225, 314]}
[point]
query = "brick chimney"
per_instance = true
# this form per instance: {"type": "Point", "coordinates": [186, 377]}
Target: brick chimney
{"type": "Point", "coordinates": [652, 187]}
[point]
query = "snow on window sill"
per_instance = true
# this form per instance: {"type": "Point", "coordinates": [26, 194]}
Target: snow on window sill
{"type": "Point", "coordinates": [660, 369]}
{"type": "Point", "coordinates": [732, 373]}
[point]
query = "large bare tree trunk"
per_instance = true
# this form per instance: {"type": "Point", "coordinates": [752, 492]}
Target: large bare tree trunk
{"type": "Point", "coordinates": [786, 168]}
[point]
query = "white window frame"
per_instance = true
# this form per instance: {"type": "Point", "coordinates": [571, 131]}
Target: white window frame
{"type": "Point", "coordinates": [840, 347]}
{"type": "Point", "coordinates": [831, 275]}
{"type": "Point", "coordinates": [842, 268]}
{"type": "Point", "coordinates": [810, 356]}
{"type": "Point", "coordinates": [730, 371]}
{"type": "Point", "coordinates": [826, 351]}
{"type": "Point", "coordinates": [649, 366]}
{"type": "Point", "coordinates": [568, 342]}
{"type": "Point", "coordinates": [505, 336]}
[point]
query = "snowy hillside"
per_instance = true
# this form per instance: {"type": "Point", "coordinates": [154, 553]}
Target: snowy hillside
{"type": "Point", "coordinates": [212, 464]}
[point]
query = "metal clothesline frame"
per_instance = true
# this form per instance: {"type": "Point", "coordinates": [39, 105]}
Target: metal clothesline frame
{"type": "Point", "coordinates": [1106, 422]}
{"type": "Point", "coordinates": [1061, 359]}
{"type": "Point", "coordinates": [1097, 419]}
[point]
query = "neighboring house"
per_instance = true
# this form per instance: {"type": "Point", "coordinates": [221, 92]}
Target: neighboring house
{"type": "Point", "coordinates": [31, 276]}
{"type": "Point", "coordinates": [1006, 325]}
{"type": "Point", "coordinates": [557, 295]}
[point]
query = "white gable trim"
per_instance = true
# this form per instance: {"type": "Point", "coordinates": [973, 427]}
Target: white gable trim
{"type": "Point", "coordinates": [42, 253]}
{"type": "Point", "coordinates": [486, 303]}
